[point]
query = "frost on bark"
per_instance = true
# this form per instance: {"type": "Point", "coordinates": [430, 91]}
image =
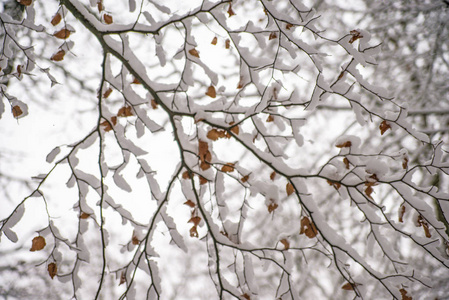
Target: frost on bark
{"type": "Point", "coordinates": [234, 150]}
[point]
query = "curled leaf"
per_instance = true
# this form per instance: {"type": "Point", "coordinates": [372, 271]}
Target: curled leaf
{"type": "Point", "coordinates": [193, 232]}
{"type": "Point", "coordinates": [355, 36]}
{"type": "Point", "coordinates": [154, 104]}
{"type": "Point", "coordinates": [245, 178]}
{"type": "Point", "coordinates": [107, 93]}
{"type": "Point", "coordinates": [404, 294]}
{"type": "Point", "coordinates": [286, 243]}
{"type": "Point", "coordinates": [308, 228]}
{"type": "Point", "coordinates": [384, 126]}
{"type": "Point", "coordinates": [227, 43]}
{"type": "Point", "coordinates": [230, 11]}
{"type": "Point", "coordinates": [52, 270]}
{"type": "Point", "coordinates": [125, 111]}
{"type": "Point", "coordinates": [272, 36]}
{"type": "Point", "coordinates": [346, 144]}
{"type": "Point", "coordinates": [401, 214]}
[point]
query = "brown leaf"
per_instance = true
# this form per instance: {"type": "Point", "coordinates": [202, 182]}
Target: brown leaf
{"type": "Point", "coordinates": [84, 215]}
{"type": "Point", "coordinates": [308, 228]}
{"type": "Point", "coordinates": [346, 144]}
{"type": "Point", "coordinates": [125, 111]}
{"type": "Point", "coordinates": [229, 167]}
{"type": "Point", "coordinates": [154, 104]}
{"type": "Point", "coordinates": [246, 296]}
{"type": "Point", "coordinates": [195, 220]}
{"type": "Point", "coordinates": [272, 175]}
{"type": "Point", "coordinates": [272, 207]}
{"type": "Point", "coordinates": [62, 34]}
{"type": "Point", "coordinates": [135, 240]}
{"type": "Point", "coordinates": [19, 70]}
{"type": "Point", "coordinates": [215, 134]}
{"type": "Point", "coordinates": [211, 92]}
{"type": "Point", "coordinates": [190, 203]}
{"type": "Point", "coordinates": [203, 180]}
{"type": "Point", "coordinates": [135, 81]}
{"type": "Point", "coordinates": [16, 111]}
{"type": "Point", "coordinates": [347, 286]}
{"type": "Point", "coordinates": [245, 178]}
{"type": "Point", "coordinates": [194, 52]}
{"type": "Point", "coordinates": [384, 126]}
{"type": "Point", "coordinates": [107, 19]}
{"type": "Point", "coordinates": [230, 11]}
{"type": "Point", "coordinates": [106, 126]}
{"type": "Point", "coordinates": [404, 295]}
{"type": "Point", "coordinates": [214, 41]}
{"type": "Point", "coordinates": [204, 166]}
{"type": "Point", "coordinates": [114, 120]}
{"type": "Point", "coordinates": [286, 244]}
{"type": "Point", "coordinates": [401, 214]}
{"type": "Point", "coordinates": [422, 222]}
{"type": "Point", "coordinates": [235, 129]}
{"type": "Point", "coordinates": [227, 43]}
{"type": "Point", "coordinates": [52, 269]}
{"type": "Point", "coordinates": [100, 6]}
{"type": "Point", "coordinates": [56, 19]}
{"type": "Point", "coordinates": [335, 184]}
{"type": "Point", "coordinates": [240, 84]}
{"type": "Point", "coordinates": [107, 93]}
{"type": "Point", "coordinates": [272, 36]}
{"type": "Point", "coordinates": [122, 278]}
{"type": "Point", "coordinates": [186, 175]}
{"type": "Point", "coordinates": [369, 190]}
{"type": "Point", "coordinates": [270, 118]}
{"type": "Point", "coordinates": [38, 243]}
{"type": "Point", "coordinates": [289, 188]}
{"type": "Point", "coordinates": [25, 2]}
{"type": "Point", "coordinates": [405, 162]}
{"type": "Point", "coordinates": [193, 232]}
{"type": "Point", "coordinates": [346, 162]}
{"type": "Point", "coordinates": [58, 56]}
{"type": "Point", "coordinates": [288, 26]}
{"type": "Point", "coordinates": [355, 36]}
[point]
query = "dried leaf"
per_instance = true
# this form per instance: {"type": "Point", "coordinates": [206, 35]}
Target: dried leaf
{"type": "Point", "coordinates": [240, 84]}
{"type": "Point", "coordinates": [203, 180]}
{"type": "Point", "coordinates": [84, 215]}
{"type": "Point", "coordinates": [62, 34]}
{"type": "Point", "coordinates": [19, 70]}
{"type": "Point", "coordinates": [154, 104]}
{"type": "Point", "coordinates": [384, 126]}
{"type": "Point", "coordinates": [38, 243]}
{"type": "Point", "coordinates": [346, 144]}
{"type": "Point", "coordinates": [56, 19]}
{"type": "Point", "coordinates": [245, 178]}
{"type": "Point", "coordinates": [308, 228]}
{"type": "Point", "coordinates": [335, 184]}
{"type": "Point", "coordinates": [235, 129]}
{"type": "Point", "coordinates": [288, 26]}
{"type": "Point", "coordinates": [107, 19]}
{"type": "Point", "coordinates": [135, 240]}
{"type": "Point", "coordinates": [246, 296]}
{"type": "Point", "coordinates": [194, 52]}
{"type": "Point", "coordinates": [106, 126]}
{"type": "Point", "coordinates": [355, 36]}
{"type": "Point", "coordinates": [58, 56]}
{"type": "Point", "coordinates": [195, 220]}
{"type": "Point", "coordinates": [289, 188]}
{"type": "Point", "coordinates": [272, 207]}
{"type": "Point", "coordinates": [227, 43]}
{"type": "Point", "coordinates": [25, 2]}
{"type": "Point", "coordinates": [193, 232]}
{"type": "Point", "coordinates": [404, 295]}
{"type": "Point", "coordinates": [286, 244]}
{"type": "Point", "coordinates": [100, 6]}
{"type": "Point", "coordinates": [135, 81]}
{"type": "Point", "coordinates": [230, 11]}
{"type": "Point", "coordinates": [405, 162]}
{"type": "Point", "coordinates": [16, 111]}
{"type": "Point", "coordinates": [215, 134]}
{"type": "Point", "coordinates": [422, 222]}
{"type": "Point", "coordinates": [186, 175]}
{"type": "Point", "coordinates": [369, 190]}
{"type": "Point", "coordinates": [272, 36]}
{"type": "Point", "coordinates": [401, 214]}
{"type": "Point", "coordinates": [114, 120]}
{"type": "Point", "coordinates": [52, 269]}
{"type": "Point", "coordinates": [211, 92]}
{"type": "Point", "coordinates": [107, 93]}
{"type": "Point", "coordinates": [122, 278]}
{"type": "Point", "coordinates": [125, 111]}
{"type": "Point", "coordinates": [214, 41]}
{"type": "Point", "coordinates": [346, 162]}
{"type": "Point", "coordinates": [272, 175]}
{"type": "Point", "coordinates": [270, 118]}
{"type": "Point", "coordinates": [347, 286]}
{"type": "Point", "coordinates": [190, 203]}
{"type": "Point", "coordinates": [229, 167]}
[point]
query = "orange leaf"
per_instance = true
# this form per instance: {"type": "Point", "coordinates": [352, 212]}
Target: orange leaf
{"type": "Point", "coordinates": [214, 41]}
{"type": "Point", "coordinates": [227, 43]}
{"type": "Point", "coordinates": [154, 104]}
{"type": "Point", "coordinates": [25, 2]}
{"type": "Point", "coordinates": [272, 36]}
{"type": "Point", "coordinates": [245, 178]}
{"type": "Point", "coordinates": [384, 126]}
{"type": "Point", "coordinates": [194, 52]}
{"type": "Point", "coordinates": [289, 188]}
{"type": "Point", "coordinates": [16, 111]}
{"type": "Point", "coordinates": [347, 287]}
{"type": "Point", "coordinates": [346, 144]}
{"type": "Point", "coordinates": [229, 167]}
{"type": "Point", "coordinates": [404, 295]}
{"type": "Point", "coordinates": [308, 228]}
{"type": "Point", "coordinates": [84, 215]}
{"type": "Point", "coordinates": [190, 203]}
{"type": "Point", "coordinates": [56, 19]}
{"type": "Point", "coordinates": [125, 111]}
{"type": "Point", "coordinates": [286, 244]}
{"type": "Point", "coordinates": [107, 93]}
{"type": "Point", "coordinates": [211, 92]}
{"type": "Point", "coordinates": [52, 270]}
{"type": "Point", "coordinates": [230, 11]}
{"type": "Point", "coordinates": [62, 34]}
{"type": "Point", "coordinates": [107, 19]}
{"type": "Point", "coordinates": [58, 56]}
{"type": "Point", "coordinates": [37, 244]}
